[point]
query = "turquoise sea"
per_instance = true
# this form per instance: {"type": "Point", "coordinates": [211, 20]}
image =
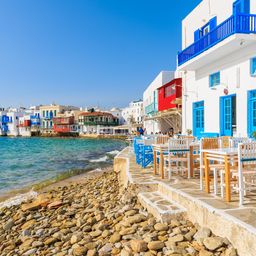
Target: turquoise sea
{"type": "Point", "coordinates": [28, 161]}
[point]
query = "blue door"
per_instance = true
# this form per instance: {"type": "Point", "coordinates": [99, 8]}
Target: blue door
{"type": "Point", "coordinates": [251, 112]}
{"type": "Point", "coordinates": [227, 115]}
{"type": "Point", "coordinates": [198, 118]}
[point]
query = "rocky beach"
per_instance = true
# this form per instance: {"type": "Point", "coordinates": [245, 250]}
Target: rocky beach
{"type": "Point", "coordinates": [94, 215]}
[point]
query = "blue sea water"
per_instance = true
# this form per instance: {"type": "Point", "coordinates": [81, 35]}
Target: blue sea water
{"type": "Point", "coordinates": [27, 161]}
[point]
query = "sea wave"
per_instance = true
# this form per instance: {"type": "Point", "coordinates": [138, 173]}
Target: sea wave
{"type": "Point", "coordinates": [101, 159]}
{"type": "Point", "coordinates": [16, 200]}
{"type": "Point", "coordinates": [114, 152]}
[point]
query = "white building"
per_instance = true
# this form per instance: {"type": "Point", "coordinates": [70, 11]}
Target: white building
{"type": "Point", "coordinates": [133, 115]}
{"type": "Point", "coordinates": [117, 112]}
{"type": "Point", "coordinates": [218, 62]}
{"type": "Point", "coordinates": [24, 125]}
{"type": "Point", "coordinates": [150, 100]}
{"type": "Point", "coordinates": [13, 116]}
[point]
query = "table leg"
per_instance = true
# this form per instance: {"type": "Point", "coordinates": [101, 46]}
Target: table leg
{"type": "Point", "coordinates": [227, 179]}
{"type": "Point", "coordinates": [155, 162]}
{"type": "Point", "coordinates": [191, 160]}
{"type": "Point", "coordinates": [161, 164]}
{"type": "Point", "coordinates": [207, 176]}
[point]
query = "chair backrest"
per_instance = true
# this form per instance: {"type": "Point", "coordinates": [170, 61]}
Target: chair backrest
{"type": "Point", "coordinates": [234, 141]}
{"type": "Point", "coordinates": [247, 153]}
{"type": "Point", "coordinates": [178, 144]}
{"type": "Point", "coordinates": [162, 139]}
{"type": "Point", "coordinates": [209, 143]}
{"type": "Point", "coordinates": [224, 142]}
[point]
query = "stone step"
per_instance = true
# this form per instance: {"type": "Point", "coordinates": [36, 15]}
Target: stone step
{"type": "Point", "coordinates": [162, 208]}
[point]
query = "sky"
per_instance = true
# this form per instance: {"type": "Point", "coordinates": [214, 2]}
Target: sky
{"type": "Point", "coordinates": [86, 52]}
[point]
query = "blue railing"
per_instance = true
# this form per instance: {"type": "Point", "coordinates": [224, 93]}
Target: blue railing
{"type": "Point", "coordinates": [150, 109]}
{"type": "Point", "coordinates": [242, 24]}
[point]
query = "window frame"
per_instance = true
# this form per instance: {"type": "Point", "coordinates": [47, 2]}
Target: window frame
{"type": "Point", "coordinates": [214, 83]}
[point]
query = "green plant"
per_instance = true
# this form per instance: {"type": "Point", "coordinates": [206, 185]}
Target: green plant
{"type": "Point", "coordinates": [254, 134]}
{"type": "Point", "coordinates": [189, 132]}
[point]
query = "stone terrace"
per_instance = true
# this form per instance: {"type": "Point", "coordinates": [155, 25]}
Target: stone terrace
{"type": "Point", "coordinates": [165, 198]}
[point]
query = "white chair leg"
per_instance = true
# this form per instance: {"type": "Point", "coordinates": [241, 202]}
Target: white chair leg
{"type": "Point", "coordinates": [215, 177]}
{"type": "Point", "coordinates": [241, 186]}
{"type": "Point", "coordinates": [222, 184]}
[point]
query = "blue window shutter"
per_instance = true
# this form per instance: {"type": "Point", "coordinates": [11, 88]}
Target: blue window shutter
{"type": "Point", "coordinates": [213, 23]}
{"type": "Point", "coordinates": [253, 67]}
{"type": "Point", "coordinates": [246, 6]}
{"type": "Point", "coordinates": [196, 35]}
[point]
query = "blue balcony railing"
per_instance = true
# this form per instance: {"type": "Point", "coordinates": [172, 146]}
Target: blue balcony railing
{"type": "Point", "coordinates": [241, 23]}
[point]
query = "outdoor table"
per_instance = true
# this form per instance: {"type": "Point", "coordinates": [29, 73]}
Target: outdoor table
{"type": "Point", "coordinates": [224, 155]}
{"type": "Point", "coordinates": [161, 148]}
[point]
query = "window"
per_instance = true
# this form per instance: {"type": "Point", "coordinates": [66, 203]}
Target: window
{"type": "Point", "coordinates": [169, 90]}
{"type": "Point", "coordinates": [206, 29]}
{"type": "Point", "coordinates": [214, 79]}
{"type": "Point", "coordinates": [253, 67]}
{"type": "Point", "coordinates": [43, 113]}
{"type": "Point", "coordinates": [55, 112]}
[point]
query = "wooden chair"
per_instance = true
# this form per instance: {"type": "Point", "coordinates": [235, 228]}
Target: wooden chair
{"type": "Point", "coordinates": [207, 143]}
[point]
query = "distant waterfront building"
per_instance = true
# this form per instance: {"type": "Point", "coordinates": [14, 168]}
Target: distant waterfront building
{"type": "Point", "coordinates": [48, 112]}
{"type": "Point", "coordinates": [96, 122]}
{"type": "Point", "coordinates": [218, 65]}
{"type": "Point", "coordinates": [150, 101]}
{"type": "Point", "coordinates": [117, 112]}
{"type": "Point", "coordinates": [133, 115]}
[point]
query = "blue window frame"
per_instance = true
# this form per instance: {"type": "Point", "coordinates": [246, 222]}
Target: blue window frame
{"type": "Point", "coordinates": [251, 119]}
{"type": "Point", "coordinates": [214, 79]}
{"type": "Point", "coordinates": [227, 115]}
{"type": "Point", "coordinates": [198, 118]}
{"type": "Point", "coordinates": [253, 66]}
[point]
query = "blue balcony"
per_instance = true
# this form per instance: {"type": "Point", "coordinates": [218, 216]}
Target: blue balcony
{"type": "Point", "coordinates": [150, 109]}
{"type": "Point", "coordinates": [236, 24]}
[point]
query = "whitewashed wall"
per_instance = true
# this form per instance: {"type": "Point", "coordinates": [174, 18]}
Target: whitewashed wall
{"type": "Point", "coordinates": [234, 72]}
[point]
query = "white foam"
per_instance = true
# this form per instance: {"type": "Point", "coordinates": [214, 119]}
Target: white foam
{"type": "Point", "coordinates": [102, 159]}
{"type": "Point", "coordinates": [16, 200]}
{"type": "Point", "coordinates": [114, 152]}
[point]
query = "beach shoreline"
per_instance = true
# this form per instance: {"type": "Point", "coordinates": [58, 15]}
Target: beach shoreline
{"type": "Point", "coordinates": [28, 192]}
{"type": "Point", "coordinates": [95, 215]}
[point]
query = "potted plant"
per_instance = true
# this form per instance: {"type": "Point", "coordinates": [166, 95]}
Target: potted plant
{"type": "Point", "coordinates": [189, 132]}
{"type": "Point", "coordinates": [254, 135]}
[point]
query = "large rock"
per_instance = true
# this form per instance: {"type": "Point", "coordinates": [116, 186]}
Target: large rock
{"type": "Point", "coordinates": [8, 225]}
{"type": "Point", "coordinates": [79, 250]}
{"type": "Point", "coordinates": [155, 245]}
{"type": "Point", "coordinates": [139, 246]}
{"type": "Point", "coordinates": [202, 233]}
{"type": "Point", "coordinates": [54, 204]}
{"type": "Point", "coordinates": [205, 253]}
{"type": "Point", "coordinates": [136, 219]}
{"type": "Point", "coordinates": [29, 224]}
{"type": "Point", "coordinates": [127, 231]}
{"type": "Point", "coordinates": [116, 237]}
{"type": "Point", "coordinates": [213, 243]}
{"type": "Point", "coordinates": [161, 227]}
{"type": "Point", "coordinates": [106, 250]}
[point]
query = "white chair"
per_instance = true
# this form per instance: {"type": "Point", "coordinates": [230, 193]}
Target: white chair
{"type": "Point", "coordinates": [178, 157]}
{"type": "Point", "coordinates": [246, 168]}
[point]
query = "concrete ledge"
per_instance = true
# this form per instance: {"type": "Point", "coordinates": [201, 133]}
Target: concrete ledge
{"type": "Point", "coordinates": [240, 234]}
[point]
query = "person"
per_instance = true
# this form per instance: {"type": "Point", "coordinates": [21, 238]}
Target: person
{"type": "Point", "coordinates": [141, 131]}
{"type": "Point", "coordinates": [171, 132]}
